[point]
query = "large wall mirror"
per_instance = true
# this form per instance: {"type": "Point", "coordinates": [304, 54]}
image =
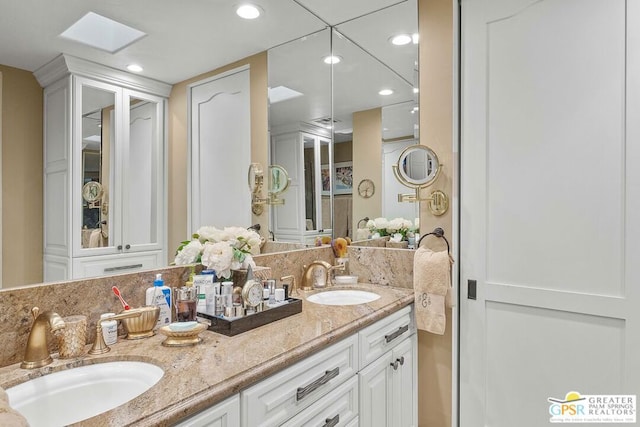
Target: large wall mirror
{"type": "Point", "coordinates": [370, 118]}
{"type": "Point", "coordinates": [336, 110]}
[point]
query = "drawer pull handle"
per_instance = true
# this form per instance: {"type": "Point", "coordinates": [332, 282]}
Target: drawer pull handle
{"type": "Point", "coordinates": [331, 422]}
{"type": "Point", "coordinates": [328, 375]}
{"type": "Point", "coordinates": [122, 267]}
{"type": "Point", "coordinates": [401, 330]}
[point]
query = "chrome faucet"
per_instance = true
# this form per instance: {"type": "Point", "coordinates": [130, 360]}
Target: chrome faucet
{"type": "Point", "coordinates": [37, 354]}
{"type": "Point", "coordinates": [318, 274]}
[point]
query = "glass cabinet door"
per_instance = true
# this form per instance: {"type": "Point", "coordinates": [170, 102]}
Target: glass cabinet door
{"type": "Point", "coordinates": [143, 165]}
{"type": "Point", "coordinates": [95, 136]}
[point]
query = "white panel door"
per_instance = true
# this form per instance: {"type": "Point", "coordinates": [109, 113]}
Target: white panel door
{"type": "Point", "coordinates": [220, 144]}
{"type": "Point", "coordinates": [550, 205]}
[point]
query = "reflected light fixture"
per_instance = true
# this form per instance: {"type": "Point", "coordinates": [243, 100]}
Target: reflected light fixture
{"type": "Point", "coordinates": [332, 59]}
{"type": "Point", "coordinates": [134, 68]}
{"type": "Point", "coordinates": [385, 92]}
{"type": "Point", "coordinates": [401, 39]}
{"type": "Point", "coordinates": [248, 11]}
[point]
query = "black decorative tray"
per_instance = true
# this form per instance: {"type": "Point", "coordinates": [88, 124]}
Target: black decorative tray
{"type": "Point", "coordinates": [237, 325]}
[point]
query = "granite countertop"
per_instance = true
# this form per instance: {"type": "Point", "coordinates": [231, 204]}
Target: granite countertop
{"type": "Point", "coordinates": [199, 376]}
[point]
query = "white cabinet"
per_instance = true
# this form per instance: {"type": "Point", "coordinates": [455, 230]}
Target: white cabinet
{"type": "Point", "coordinates": [338, 407]}
{"type": "Point", "coordinates": [285, 394]}
{"type": "Point", "coordinates": [388, 381]}
{"type": "Point", "coordinates": [306, 214]}
{"type": "Point", "coordinates": [338, 386]}
{"type": "Point", "coordinates": [224, 414]}
{"type": "Point", "coordinates": [104, 170]}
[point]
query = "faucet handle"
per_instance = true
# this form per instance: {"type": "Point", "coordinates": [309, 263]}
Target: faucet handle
{"type": "Point", "coordinates": [99, 346]}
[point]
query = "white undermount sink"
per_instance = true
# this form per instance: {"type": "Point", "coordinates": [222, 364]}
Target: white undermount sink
{"type": "Point", "coordinates": [73, 395]}
{"type": "Point", "coordinates": [343, 297]}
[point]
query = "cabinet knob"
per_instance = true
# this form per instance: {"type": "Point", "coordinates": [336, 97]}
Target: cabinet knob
{"type": "Point", "coordinates": [401, 360]}
{"type": "Point", "coordinates": [128, 246]}
{"type": "Point", "coordinates": [394, 365]}
{"type": "Point", "coordinates": [119, 247]}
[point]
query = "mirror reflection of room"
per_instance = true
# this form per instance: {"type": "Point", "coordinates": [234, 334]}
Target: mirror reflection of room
{"type": "Point", "coordinates": [97, 130]}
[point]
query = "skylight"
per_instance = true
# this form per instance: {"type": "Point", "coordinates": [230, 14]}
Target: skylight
{"type": "Point", "coordinates": [102, 33]}
{"type": "Point", "coordinates": [282, 93]}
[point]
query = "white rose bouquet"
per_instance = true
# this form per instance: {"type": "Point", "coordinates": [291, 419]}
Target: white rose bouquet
{"type": "Point", "coordinates": [220, 250]}
{"type": "Point", "coordinates": [398, 228]}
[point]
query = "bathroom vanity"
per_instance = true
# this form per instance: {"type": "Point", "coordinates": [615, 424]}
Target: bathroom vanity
{"type": "Point", "coordinates": [328, 364]}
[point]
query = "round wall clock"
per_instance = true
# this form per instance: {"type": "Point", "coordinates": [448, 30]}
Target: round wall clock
{"type": "Point", "coordinates": [92, 191]}
{"type": "Point", "coordinates": [366, 188]}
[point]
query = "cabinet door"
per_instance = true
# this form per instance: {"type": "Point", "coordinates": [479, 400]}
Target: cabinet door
{"type": "Point", "coordinates": [375, 392]}
{"type": "Point", "coordinates": [224, 414]}
{"type": "Point", "coordinates": [143, 165]}
{"type": "Point", "coordinates": [96, 173]}
{"type": "Point", "coordinates": [404, 384]}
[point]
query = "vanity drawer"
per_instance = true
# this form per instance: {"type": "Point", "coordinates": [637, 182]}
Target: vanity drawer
{"type": "Point", "coordinates": [377, 339]}
{"type": "Point", "coordinates": [107, 265]}
{"type": "Point", "coordinates": [283, 395]}
{"type": "Point", "coordinates": [338, 408]}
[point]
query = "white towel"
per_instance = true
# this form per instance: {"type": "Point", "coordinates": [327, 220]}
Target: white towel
{"type": "Point", "coordinates": [432, 287]}
{"type": "Point", "coordinates": [95, 239]}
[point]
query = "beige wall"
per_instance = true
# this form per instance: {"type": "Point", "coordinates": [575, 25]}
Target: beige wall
{"type": "Point", "coordinates": [367, 158]}
{"type": "Point", "coordinates": [21, 178]}
{"type": "Point", "coordinates": [435, 21]}
{"type": "Point", "coordinates": [178, 126]}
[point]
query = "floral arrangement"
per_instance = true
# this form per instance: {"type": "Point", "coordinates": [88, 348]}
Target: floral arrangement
{"type": "Point", "coordinates": [221, 250]}
{"type": "Point", "coordinates": [398, 228]}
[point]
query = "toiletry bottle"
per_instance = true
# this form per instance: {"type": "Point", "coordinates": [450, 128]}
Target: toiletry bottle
{"type": "Point", "coordinates": [160, 295]}
{"type": "Point", "coordinates": [204, 284]}
{"type": "Point", "coordinates": [109, 329]}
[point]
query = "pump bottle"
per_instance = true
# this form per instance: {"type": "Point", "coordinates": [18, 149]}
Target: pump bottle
{"type": "Point", "coordinates": [160, 295]}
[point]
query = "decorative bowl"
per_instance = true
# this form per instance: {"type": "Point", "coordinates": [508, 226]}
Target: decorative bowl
{"type": "Point", "coordinates": [141, 326]}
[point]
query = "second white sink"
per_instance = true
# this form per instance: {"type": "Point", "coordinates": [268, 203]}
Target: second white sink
{"type": "Point", "coordinates": [343, 297]}
{"type": "Point", "coordinates": [73, 395]}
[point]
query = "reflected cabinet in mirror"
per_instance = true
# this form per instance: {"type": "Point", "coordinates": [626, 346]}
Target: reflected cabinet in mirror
{"type": "Point", "coordinates": [113, 219]}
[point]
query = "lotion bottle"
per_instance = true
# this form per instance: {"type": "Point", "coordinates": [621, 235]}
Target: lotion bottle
{"type": "Point", "coordinates": [160, 295]}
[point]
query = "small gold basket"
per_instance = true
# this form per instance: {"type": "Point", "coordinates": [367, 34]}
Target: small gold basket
{"type": "Point", "coordinates": [141, 326]}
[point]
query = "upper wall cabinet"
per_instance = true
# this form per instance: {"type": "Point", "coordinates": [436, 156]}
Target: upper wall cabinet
{"type": "Point", "coordinates": [306, 213]}
{"type": "Point", "coordinates": [104, 170]}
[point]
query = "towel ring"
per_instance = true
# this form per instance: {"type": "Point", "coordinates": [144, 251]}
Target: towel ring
{"type": "Point", "coordinates": [438, 232]}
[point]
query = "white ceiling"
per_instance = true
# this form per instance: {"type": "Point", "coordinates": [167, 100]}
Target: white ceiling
{"type": "Point", "coordinates": [189, 37]}
{"type": "Point", "coordinates": [184, 37]}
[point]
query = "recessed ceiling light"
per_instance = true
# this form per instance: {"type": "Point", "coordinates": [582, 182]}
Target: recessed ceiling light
{"type": "Point", "coordinates": [416, 90]}
{"type": "Point", "coordinates": [248, 11]}
{"type": "Point", "coordinates": [401, 39]}
{"type": "Point", "coordinates": [134, 68]}
{"type": "Point", "coordinates": [385, 92]}
{"type": "Point", "coordinates": [332, 59]}
{"type": "Point", "coordinates": [103, 33]}
{"type": "Point", "coordinates": [414, 38]}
